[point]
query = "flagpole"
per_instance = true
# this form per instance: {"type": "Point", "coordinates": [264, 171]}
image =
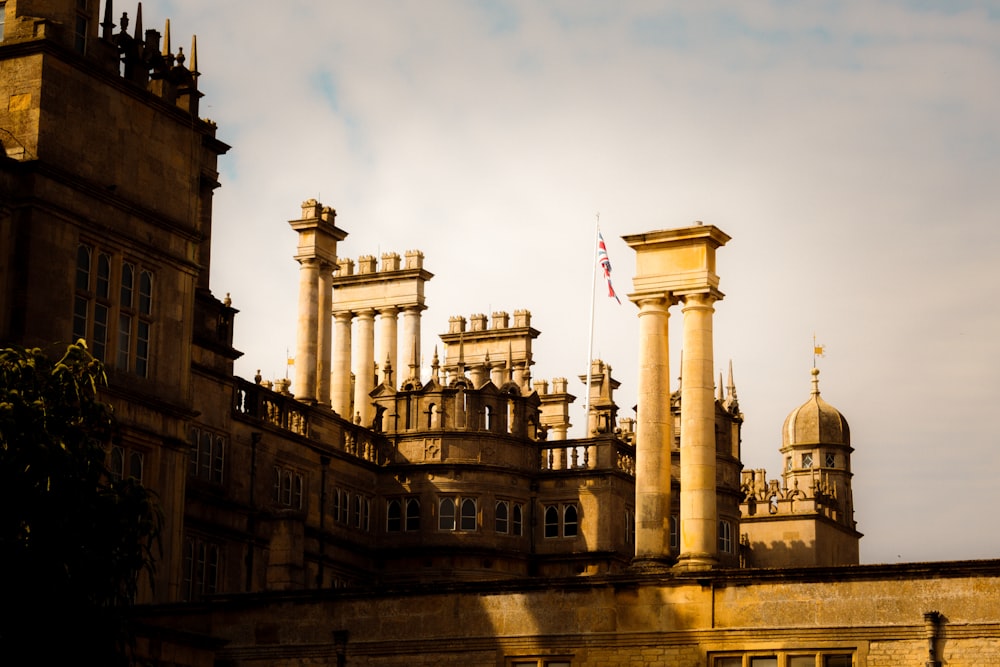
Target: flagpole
{"type": "Point", "coordinates": [590, 340]}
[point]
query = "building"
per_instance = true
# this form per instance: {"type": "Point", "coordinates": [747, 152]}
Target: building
{"type": "Point", "coordinates": [360, 513]}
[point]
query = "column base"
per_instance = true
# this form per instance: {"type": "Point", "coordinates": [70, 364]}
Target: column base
{"type": "Point", "coordinates": [694, 562]}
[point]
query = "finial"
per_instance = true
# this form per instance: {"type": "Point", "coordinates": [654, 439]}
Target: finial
{"type": "Point", "coordinates": [721, 396]}
{"type": "Point", "coordinates": [815, 381]}
{"type": "Point", "coordinates": [731, 386]}
{"type": "Point", "coordinates": [180, 56]}
{"type": "Point", "coordinates": [228, 301]}
{"type": "Point", "coordinates": [510, 363]}
{"type": "Point", "coordinates": [257, 378]}
{"type": "Point", "coordinates": [138, 23]}
{"type": "Point", "coordinates": [107, 24]}
{"type": "Point", "coordinates": [387, 372]}
{"type": "Point", "coordinates": [166, 39]}
{"type": "Point", "coordinates": [123, 22]}
{"type": "Point", "coordinates": [194, 61]}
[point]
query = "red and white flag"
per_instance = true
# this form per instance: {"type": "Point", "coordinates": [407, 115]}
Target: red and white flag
{"type": "Point", "coordinates": [605, 264]}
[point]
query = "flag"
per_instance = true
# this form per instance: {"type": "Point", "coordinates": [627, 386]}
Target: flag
{"type": "Point", "coordinates": [605, 264]}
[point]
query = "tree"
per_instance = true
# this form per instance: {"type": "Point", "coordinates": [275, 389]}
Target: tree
{"type": "Point", "coordinates": [74, 541]}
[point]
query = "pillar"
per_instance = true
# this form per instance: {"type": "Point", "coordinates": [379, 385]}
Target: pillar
{"type": "Point", "coordinates": [341, 382]}
{"type": "Point", "coordinates": [388, 340]}
{"type": "Point", "coordinates": [308, 331]}
{"type": "Point", "coordinates": [654, 435]}
{"type": "Point", "coordinates": [698, 508]}
{"type": "Point", "coordinates": [325, 333]}
{"type": "Point", "coordinates": [364, 366]}
{"type": "Point", "coordinates": [411, 341]}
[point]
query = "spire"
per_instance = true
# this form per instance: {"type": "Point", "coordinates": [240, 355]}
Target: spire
{"type": "Point", "coordinates": [166, 39]}
{"type": "Point", "coordinates": [107, 24]}
{"type": "Point", "coordinates": [721, 397]}
{"type": "Point", "coordinates": [139, 37]}
{"type": "Point", "coordinates": [415, 362]}
{"type": "Point", "coordinates": [194, 63]}
{"type": "Point", "coordinates": [510, 363]}
{"type": "Point", "coordinates": [435, 367]}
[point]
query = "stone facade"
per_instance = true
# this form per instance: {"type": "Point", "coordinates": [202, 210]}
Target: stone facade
{"type": "Point", "coordinates": [365, 513]}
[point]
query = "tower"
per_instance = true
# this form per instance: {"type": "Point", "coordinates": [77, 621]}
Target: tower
{"type": "Point", "coordinates": [106, 188]}
{"type": "Point", "coordinates": [808, 517]}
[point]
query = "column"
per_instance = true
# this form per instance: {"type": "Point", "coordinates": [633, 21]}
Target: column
{"type": "Point", "coordinates": [698, 509]}
{"type": "Point", "coordinates": [411, 341]}
{"type": "Point", "coordinates": [341, 383]}
{"type": "Point", "coordinates": [364, 366]}
{"type": "Point", "coordinates": [388, 341]}
{"type": "Point", "coordinates": [325, 333]}
{"type": "Point", "coordinates": [306, 342]}
{"type": "Point", "coordinates": [654, 435]}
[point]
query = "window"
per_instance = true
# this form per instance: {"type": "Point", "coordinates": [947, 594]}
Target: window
{"type": "Point", "coordinates": [460, 513]}
{"type": "Point", "coordinates": [113, 309]}
{"type": "Point", "coordinates": [792, 658]}
{"type": "Point", "coordinates": [501, 517]}
{"type": "Point", "coordinates": [788, 463]}
{"type": "Point", "coordinates": [807, 460]}
{"type": "Point", "coordinates": [517, 520]}
{"type": "Point", "coordinates": [208, 455]}
{"type": "Point", "coordinates": [201, 569]}
{"type": "Point", "coordinates": [125, 463]}
{"type": "Point", "coordinates": [289, 488]}
{"type": "Point", "coordinates": [393, 517]}
{"type": "Point", "coordinates": [446, 514]}
{"type": "Point", "coordinates": [561, 661]}
{"type": "Point", "coordinates": [357, 511]}
{"type": "Point", "coordinates": [488, 413]}
{"type": "Point", "coordinates": [831, 460]}
{"type": "Point", "coordinates": [725, 537]}
{"type": "Point", "coordinates": [81, 27]}
{"type": "Point", "coordinates": [412, 514]}
{"type": "Point", "coordinates": [561, 520]}
{"type": "Point", "coordinates": [3, 9]}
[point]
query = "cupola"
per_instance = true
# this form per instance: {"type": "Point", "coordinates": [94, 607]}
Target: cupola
{"type": "Point", "coordinates": [815, 422]}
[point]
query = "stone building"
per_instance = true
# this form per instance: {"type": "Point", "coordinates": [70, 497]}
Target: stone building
{"type": "Point", "coordinates": [362, 513]}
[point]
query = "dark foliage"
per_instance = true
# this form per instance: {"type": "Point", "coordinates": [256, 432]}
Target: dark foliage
{"type": "Point", "coordinates": [74, 542]}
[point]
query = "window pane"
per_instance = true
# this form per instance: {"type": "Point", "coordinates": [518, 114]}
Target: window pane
{"type": "Point", "coordinates": [412, 514]}
{"type": "Point", "coordinates": [837, 661]}
{"type": "Point", "coordinates": [124, 340]}
{"type": "Point", "coordinates": [142, 349]}
{"type": "Point", "coordinates": [220, 460]}
{"type": "Point", "coordinates": [82, 264]}
{"type": "Point", "coordinates": [469, 514]}
{"type": "Point", "coordinates": [570, 521]}
{"type": "Point", "coordinates": [517, 521]}
{"type": "Point", "coordinates": [802, 661]}
{"type": "Point", "coordinates": [193, 456]}
{"type": "Point", "coordinates": [366, 510]}
{"type": "Point", "coordinates": [117, 462]}
{"type": "Point", "coordinates": [357, 511]}
{"type": "Point", "coordinates": [551, 521]}
{"type": "Point", "coordinates": [728, 662]}
{"type": "Point", "coordinates": [80, 308]}
{"type": "Point", "coordinates": [763, 662]}
{"type": "Point", "coordinates": [205, 467]}
{"type": "Point", "coordinates": [103, 276]}
{"type": "Point", "coordinates": [446, 514]}
{"type": "Point", "coordinates": [135, 466]}
{"type": "Point", "coordinates": [100, 342]}
{"type": "Point", "coordinates": [500, 523]}
{"type": "Point", "coordinates": [126, 289]}
{"type": "Point", "coordinates": [145, 293]}
{"type": "Point", "coordinates": [296, 499]}
{"type": "Point", "coordinates": [393, 517]}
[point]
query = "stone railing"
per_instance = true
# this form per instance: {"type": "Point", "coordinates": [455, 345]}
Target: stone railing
{"type": "Point", "coordinates": [271, 407]}
{"type": "Point", "coordinates": [590, 454]}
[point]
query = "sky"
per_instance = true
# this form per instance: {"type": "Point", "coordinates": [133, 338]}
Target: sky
{"type": "Point", "coordinates": [851, 151]}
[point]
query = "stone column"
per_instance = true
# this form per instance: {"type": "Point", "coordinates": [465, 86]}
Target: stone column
{"type": "Point", "coordinates": [308, 331]}
{"type": "Point", "coordinates": [341, 390]}
{"type": "Point", "coordinates": [411, 342]}
{"type": "Point", "coordinates": [325, 333]}
{"type": "Point", "coordinates": [388, 341]}
{"type": "Point", "coordinates": [698, 509]}
{"type": "Point", "coordinates": [654, 435]}
{"type": "Point", "coordinates": [364, 366]}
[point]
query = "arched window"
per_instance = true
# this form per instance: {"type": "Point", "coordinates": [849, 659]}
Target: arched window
{"type": "Point", "coordinates": [510, 415]}
{"type": "Point", "coordinates": [357, 511]}
{"type": "Point", "coordinates": [135, 465]}
{"type": "Point", "coordinates": [446, 514]}
{"type": "Point", "coordinates": [501, 514]}
{"type": "Point", "coordinates": [117, 462]}
{"type": "Point", "coordinates": [468, 514]}
{"type": "Point", "coordinates": [488, 414]}
{"type": "Point", "coordinates": [432, 416]}
{"type": "Point", "coordinates": [570, 521]}
{"type": "Point", "coordinates": [725, 537]}
{"type": "Point", "coordinates": [551, 521]}
{"type": "Point", "coordinates": [412, 514]}
{"type": "Point", "coordinates": [393, 517]}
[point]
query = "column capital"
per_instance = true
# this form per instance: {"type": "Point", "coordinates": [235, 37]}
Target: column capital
{"type": "Point", "coordinates": [388, 311]}
{"type": "Point", "coordinates": [652, 304]}
{"type": "Point", "coordinates": [703, 298]}
{"type": "Point", "coordinates": [343, 315]}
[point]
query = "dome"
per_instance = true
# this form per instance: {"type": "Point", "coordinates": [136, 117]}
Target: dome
{"type": "Point", "coordinates": [815, 422]}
